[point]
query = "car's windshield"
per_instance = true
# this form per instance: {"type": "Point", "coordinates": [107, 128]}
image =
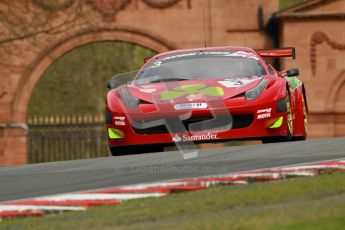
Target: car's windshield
{"type": "Point", "coordinates": [201, 65]}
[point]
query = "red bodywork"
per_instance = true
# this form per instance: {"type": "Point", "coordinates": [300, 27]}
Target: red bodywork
{"type": "Point", "coordinates": [151, 108]}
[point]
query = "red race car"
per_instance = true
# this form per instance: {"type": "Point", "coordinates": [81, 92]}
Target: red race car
{"type": "Point", "coordinates": [206, 95]}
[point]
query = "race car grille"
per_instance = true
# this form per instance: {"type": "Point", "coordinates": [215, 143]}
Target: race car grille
{"type": "Point", "coordinates": [238, 121]}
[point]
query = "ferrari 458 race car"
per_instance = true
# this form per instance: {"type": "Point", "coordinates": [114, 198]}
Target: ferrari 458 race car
{"type": "Point", "coordinates": [206, 95]}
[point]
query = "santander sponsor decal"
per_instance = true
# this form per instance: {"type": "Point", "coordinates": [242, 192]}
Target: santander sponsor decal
{"type": "Point", "coordinates": [199, 137]}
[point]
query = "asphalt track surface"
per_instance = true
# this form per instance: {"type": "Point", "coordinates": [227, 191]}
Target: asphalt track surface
{"type": "Point", "coordinates": [68, 176]}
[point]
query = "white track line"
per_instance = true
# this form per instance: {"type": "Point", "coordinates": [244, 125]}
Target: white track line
{"type": "Point", "coordinates": [149, 185]}
{"type": "Point", "coordinates": [318, 167]}
{"type": "Point", "coordinates": [39, 208]}
{"type": "Point", "coordinates": [99, 196]}
{"type": "Point", "coordinates": [84, 196]}
{"type": "Point", "coordinates": [175, 182]}
{"type": "Point", "coordinates": [301, 173]}
{"type": "Point", "coordinates": [255, 174]}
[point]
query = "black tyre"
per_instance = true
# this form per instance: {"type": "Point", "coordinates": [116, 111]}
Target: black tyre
{"type": "Point", "coordinates": [299, 138]}
{"type": "Point", "coordinates": [137, 149]}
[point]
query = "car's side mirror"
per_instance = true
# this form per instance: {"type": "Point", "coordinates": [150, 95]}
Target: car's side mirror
{"type": "Point", "coordinates": [147, 59]}
{"type": "Point", "coordinates": [112, 84]}
{"type": "Point", "coordinates": [292, 72]}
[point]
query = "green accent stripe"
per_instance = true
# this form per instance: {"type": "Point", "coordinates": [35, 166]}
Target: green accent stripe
{"type": "Point", "coordinates": [294, 82]}
{"type": "Point", "coordinates": [115, 133]}
{"type": "Point", "coordinates": [277, 124]}
{"type": "Point", "coordinates": [193, 89]}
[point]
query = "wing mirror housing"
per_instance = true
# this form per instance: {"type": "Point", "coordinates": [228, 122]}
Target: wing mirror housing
{"type": "Point", "coordinates": [112, 84]}
{"type": "Point", "coordinates": [292, 72]}
{"type": "Point", "coordinates": [147, 59]}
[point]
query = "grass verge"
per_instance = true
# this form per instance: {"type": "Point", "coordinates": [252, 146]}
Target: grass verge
{"type": "Point", "coordinates": [302, 203]}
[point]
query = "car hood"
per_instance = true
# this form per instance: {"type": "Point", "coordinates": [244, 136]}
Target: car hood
{"type": "Point", "coordinates": [193, 90]}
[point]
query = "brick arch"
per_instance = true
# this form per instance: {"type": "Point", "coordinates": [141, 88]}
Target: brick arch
{"type": "Point", "coordinates": [334, 91]}
{"type": "Point", "coordinates": [34, 72]}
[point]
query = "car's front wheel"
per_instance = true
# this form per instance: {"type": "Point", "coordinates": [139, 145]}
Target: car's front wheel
{"type": "Point", "coordinates": [289, 124]}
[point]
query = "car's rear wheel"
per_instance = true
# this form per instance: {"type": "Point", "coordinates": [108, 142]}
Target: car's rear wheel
{"type": "Point", "coordinates": [136, 149]}
{"type": "Point", "coordinates": [289, 124]}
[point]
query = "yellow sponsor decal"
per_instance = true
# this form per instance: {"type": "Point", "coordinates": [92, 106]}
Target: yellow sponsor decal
{"type": "Point", "coordinates": [277, 123]}
{"type": "Point", "coordinates": [115, 133]}
{"type": "Point", "coordinates": [193, 89]}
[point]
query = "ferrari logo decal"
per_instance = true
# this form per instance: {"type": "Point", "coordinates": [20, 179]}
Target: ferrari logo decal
{"type": "Point", "coordinates": [294, 82]}
{"type": "Point", "coordinates": [188, 90]}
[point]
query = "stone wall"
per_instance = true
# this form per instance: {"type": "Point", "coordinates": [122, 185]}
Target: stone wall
{"type": "Point", "coordinates": [316, 30]}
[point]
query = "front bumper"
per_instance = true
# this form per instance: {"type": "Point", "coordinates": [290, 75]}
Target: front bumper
{"type": "Point", "coordinates": [256, 121]}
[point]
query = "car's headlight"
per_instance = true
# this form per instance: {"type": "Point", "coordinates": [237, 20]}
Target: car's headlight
{"type": "Point", "coordinates": [255, 92]}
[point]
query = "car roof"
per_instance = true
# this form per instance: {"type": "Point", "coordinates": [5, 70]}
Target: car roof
{"type": "Point", "coordinates": [239, 48]}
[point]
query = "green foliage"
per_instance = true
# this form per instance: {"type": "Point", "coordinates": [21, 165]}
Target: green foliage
{"type": "Point", "coordinates": [284, 4]}
{"type": "Point", "coordinates": [76, 83]}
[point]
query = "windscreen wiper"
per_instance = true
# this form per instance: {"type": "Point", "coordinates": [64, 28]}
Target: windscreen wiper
{"type": "Point", "coordinates": [168, 79]}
